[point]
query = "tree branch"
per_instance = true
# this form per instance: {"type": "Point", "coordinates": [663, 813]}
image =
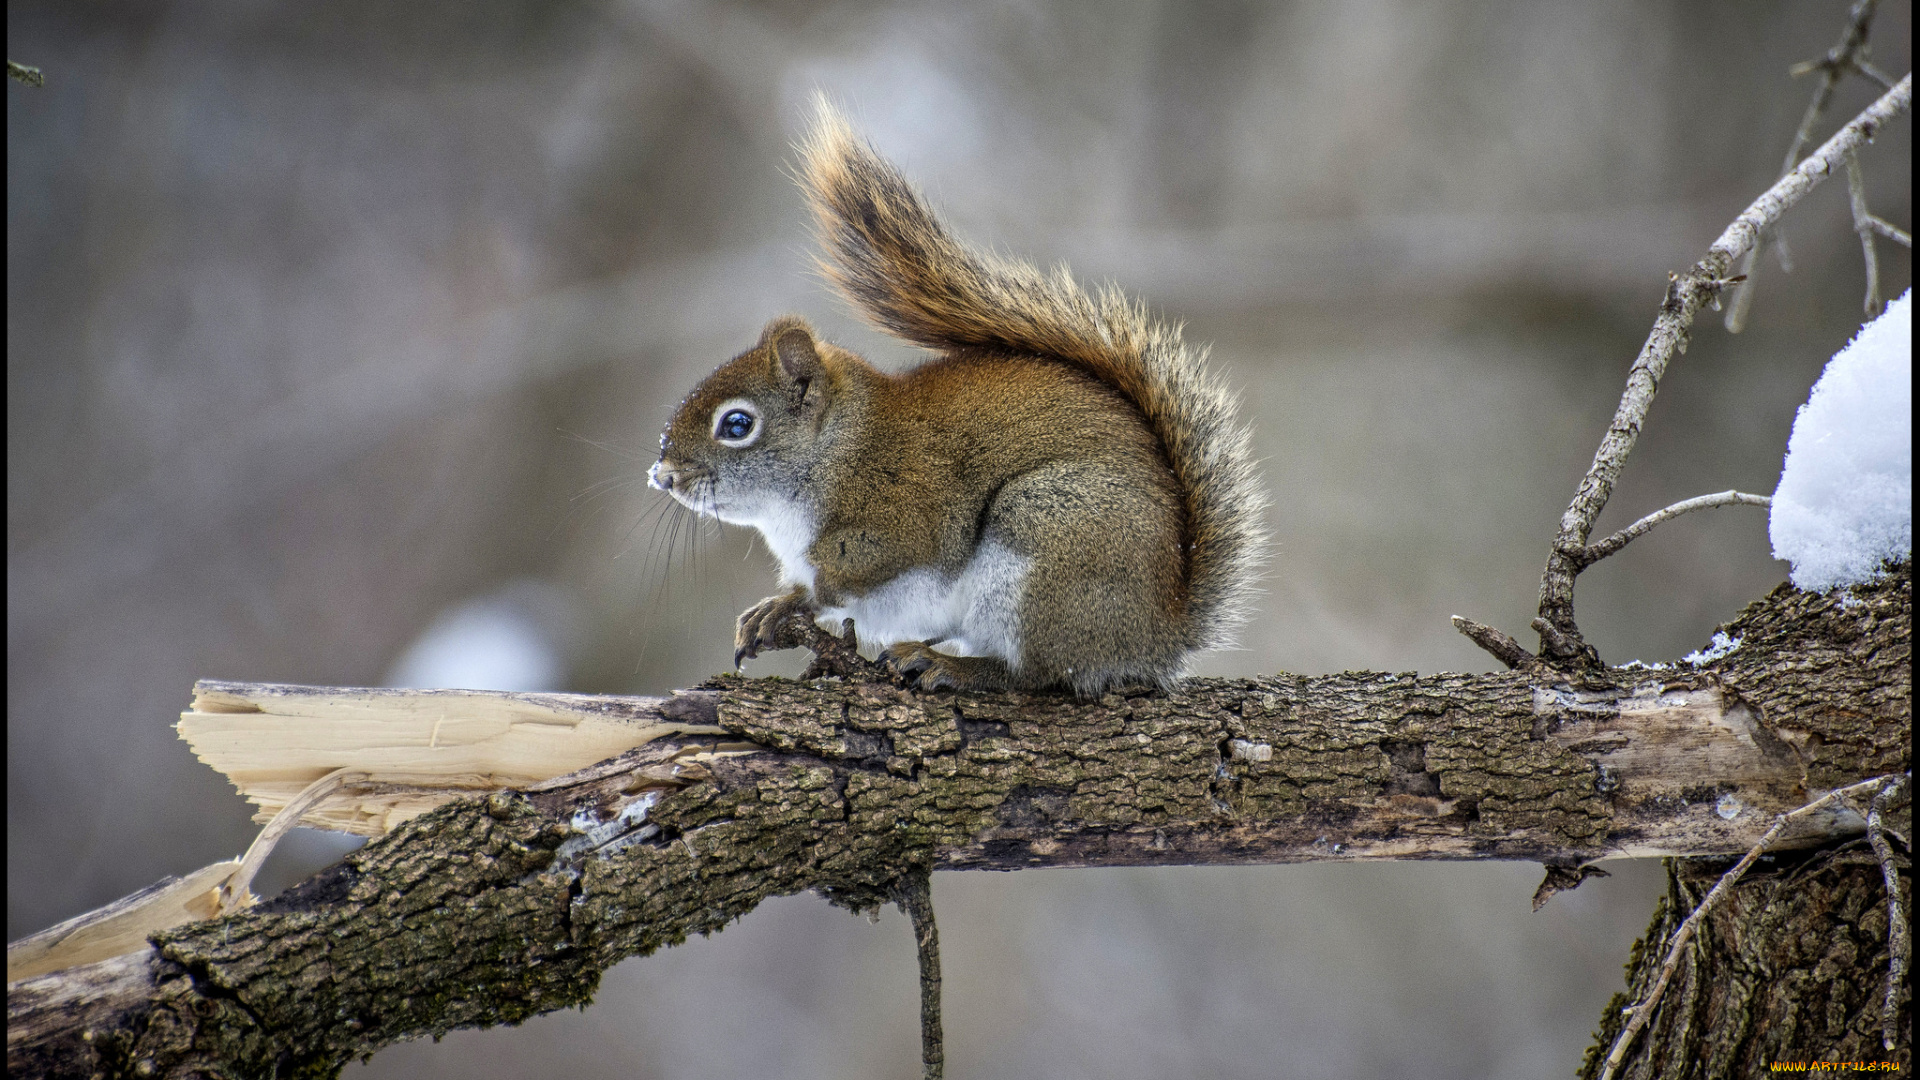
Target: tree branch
{"type": "Point", "coordinates": [914, 895]}
{"type": "Point", "coordinates": [1890, 231]}
{"type": "Point", "coordinates": [1594, 552]}
{"type": "Point", "coordinates": [1685, 295]}
{"type": "Point", "coordinates": [496, 907]}
{"type": "Point", "coordinates": [1505, 649]}
{"type": "Point", "coordinates": [1899, 931]}
{"type": "Point", "coordinates": [1844, 57]}
{"type": "Point", "coordinates": [23, 73]}
{"type": "Point", "coordinates": [1866, 225]}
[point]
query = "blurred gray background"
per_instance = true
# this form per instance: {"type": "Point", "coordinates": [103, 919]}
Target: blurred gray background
{"type": "Point", "coordinates": [339, 335]}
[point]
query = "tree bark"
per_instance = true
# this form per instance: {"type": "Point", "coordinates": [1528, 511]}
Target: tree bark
{"type": "Point", "coordinates": [492, 909]}
{"type": "Point", "coordinates": [1789, 968]}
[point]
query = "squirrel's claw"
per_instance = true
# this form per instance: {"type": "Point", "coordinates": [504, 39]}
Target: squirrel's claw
{"type": "Point", "coordinates": [765, 625]}
{"type": "Point", "coordinates": [746, 636]}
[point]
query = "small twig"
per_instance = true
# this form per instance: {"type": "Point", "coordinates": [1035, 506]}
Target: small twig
{"type": "Point", "coordinates": [1641, 1013]}
{"type": "Point", "coordinates": [1592, 553]}
{"type": "Point", "coordinates": [1839, 59]}
{"type": "Point", "coordinates": [21, 73]}
{"type": "Point", "coordinates": [1689, 1000]}
{"type": "Point", "coordinates": [1863, 225]}
{"type": "Point", "coordinates": [1561, 879]}
{"type": "Point", "coordinates": [914, 894]}
{"type": "Point", "coordinates": [832, 656]}
{"type": "Point", "coordinates": [837, 656]}
{"type": "Point", "coordinates": [1899, 934]}
{"type": "Point", "coordinates": [1892, 232]}
{"type": "Point", "coordinates": [1504, 649]}
{"type": "Point", "coordinates": [1686, 294]}
{"type": "Point", "coordinates": [1870, 73]}
{"type": "Point", "coordinates": [1562, 645]}
{"type": "Point", "coordinates": [1858, 64]}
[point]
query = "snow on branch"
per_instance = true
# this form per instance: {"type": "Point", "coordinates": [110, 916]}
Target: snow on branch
{"type": "Point", "coordinates": [1844, 507]}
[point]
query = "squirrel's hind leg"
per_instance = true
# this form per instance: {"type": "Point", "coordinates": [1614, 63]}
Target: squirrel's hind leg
{"type": "Point", "coordinates": [927, 669]}
{"type": "Point", "coordinates": [1102, 604]}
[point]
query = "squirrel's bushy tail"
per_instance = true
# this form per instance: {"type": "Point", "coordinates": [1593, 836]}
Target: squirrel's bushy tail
{"type": "Point", "coordinates": [897, 263]}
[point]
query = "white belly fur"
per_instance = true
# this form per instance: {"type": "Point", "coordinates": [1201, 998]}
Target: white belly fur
{"type": "Point", "coordinates": [976, 613]}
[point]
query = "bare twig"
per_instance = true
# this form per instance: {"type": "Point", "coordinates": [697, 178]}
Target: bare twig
{"type": "Point", "coordinates": [836, 655]}
{"type": "Point", "coordinates": [832, 655]}
{"type": "Point", "coordinates": [1863, 222]}
{"type": "Point", "coordinates": [1686, 293]}
{"type": "Point", "coordinates": [914, 894]}
{"type": "Point", "coordinates": [1555, 642]}
{"type": "Point", "coordinates": [1846, 56]}
{"type": "Point", "coordinates": [1899, 934]}
{"type": "Point", "coordinates": [1593, 553]}
{"type": "Point", "coordinates": [1892, 232]}
{"type": "Point", "coordinates": [1857, 63]}
{"type": "Point", "coordinates": [1561, 879]}
{"type": "Point", "coordinates": [1870, 73]}
{"type": "Point", "coordinates": [1641, 1013]}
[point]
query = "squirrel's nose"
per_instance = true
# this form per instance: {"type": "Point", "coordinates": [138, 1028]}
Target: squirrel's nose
{"type": "Point", "coordinates": [660, 476]}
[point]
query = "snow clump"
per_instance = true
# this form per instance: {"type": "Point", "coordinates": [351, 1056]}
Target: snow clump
{"type": "Point", "coordinates": [1845, 501]}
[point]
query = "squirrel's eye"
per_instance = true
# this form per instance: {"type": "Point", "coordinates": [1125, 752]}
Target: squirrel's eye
{"type": "Point", "coordinates": [736, 424]}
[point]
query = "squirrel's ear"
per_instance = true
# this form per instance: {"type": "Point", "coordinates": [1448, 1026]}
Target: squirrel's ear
{"type": "Point", "coordinates": [799, 360]}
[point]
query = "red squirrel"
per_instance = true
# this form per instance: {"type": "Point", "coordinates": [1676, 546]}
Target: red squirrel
{"type": "Point", "coordinates": [1061, 497]}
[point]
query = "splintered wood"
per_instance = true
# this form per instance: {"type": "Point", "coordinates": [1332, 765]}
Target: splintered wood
{"type": "Point", "coordinates": [419, 748]}
{"type": "Point", "coordinates": [406, 751]}
{"type": "Point", "coordinates": [120, 927]}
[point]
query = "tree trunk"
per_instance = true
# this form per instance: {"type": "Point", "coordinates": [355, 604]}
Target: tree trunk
{"type": "Point", "coordinates": [1790, 968]}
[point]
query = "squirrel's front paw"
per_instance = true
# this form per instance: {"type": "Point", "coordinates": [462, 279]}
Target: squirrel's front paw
{"type": "Point", "coordinates": [772, 624]}
{"type": "Point", "coordinates": [926, 669]}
